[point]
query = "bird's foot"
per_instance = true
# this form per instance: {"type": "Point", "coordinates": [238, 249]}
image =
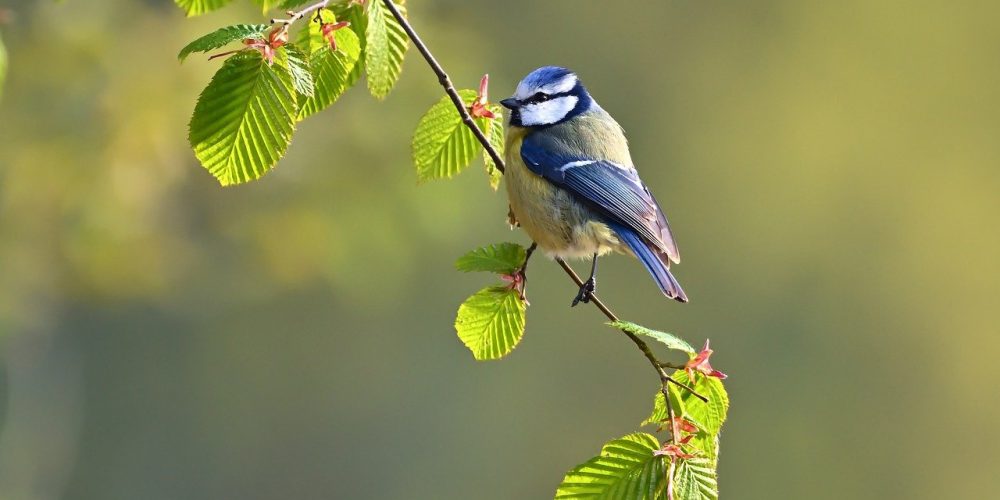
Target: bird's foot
{"type": "Point", "coordinates": [586, 290]}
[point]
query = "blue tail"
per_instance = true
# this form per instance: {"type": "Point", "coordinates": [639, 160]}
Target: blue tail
{"type": "Point", "coordinates": [657, 263]}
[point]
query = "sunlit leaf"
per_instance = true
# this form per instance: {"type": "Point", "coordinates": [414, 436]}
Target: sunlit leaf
{"type": "Point", "coordinates": [333, 71]}
{"type": "Point", "coordinates": [222, 37]}
{"type": "Point", "coordinates": [298, 66]}
{"type": "Point", "coordinates": [626, 469]}
{"type": "Point", "coordinates": [266, 5]}
{"type": "Point", "coordinates": [385, 46]}
{"type": "Point", "coordinates": [290, 4]}
{"type": "Point", "coordinates": [199, 7]}
{"type": "Point", "coordinates": [491, 322]}
{"type": "Point", "coordinates": [709, 416]}
{"type": "Point", "coordinates": [442, 145]}
{"type": "Point", "coordinates": [668, 339]}
{"type": "Point", "coordinates": [496, 138]}
{"type": "Point", "coordinates": [502, 258]}
{"type": "Point", "coordinates": [244, 119]}
{"type": "Point", "coordinates": [355, 14]}
{"type": "Point", "coordinates": [660, 414]}
{"type": "Point", "coordinates": [694, 479]}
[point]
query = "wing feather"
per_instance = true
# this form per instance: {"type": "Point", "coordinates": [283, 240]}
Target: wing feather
{"type": "Point", "coordinates": [614, 190]}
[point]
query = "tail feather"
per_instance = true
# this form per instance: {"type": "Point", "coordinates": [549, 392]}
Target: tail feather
{"type": "Point", "coordinates": [655, 261]}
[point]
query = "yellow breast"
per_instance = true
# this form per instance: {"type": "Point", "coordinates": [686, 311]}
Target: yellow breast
{"type": "Point", "coordinates": [549, 215]}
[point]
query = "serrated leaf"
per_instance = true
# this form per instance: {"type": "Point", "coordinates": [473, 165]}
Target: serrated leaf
{"type": "Point", "coordinates": [222, 37]}
{"type": "Point", "coordinates": [442, 145]}
{"type": "Point", "coordinates": [668, 339]}
{"type": "Point", "coordinates": [385, 47]}
{"type": "Point", "coordinates": [502, 258]}
{"type": "Point", "coordinates": [298, 66]}
{"type": "Point", "coordinates": [709, 416]}
{"type": "Point", "coordinates": [199, 7]}
{"type": "Point", "coordinates": [660, 414]}
{"type": "Point", "coordinates": [355, 14]}
{"type": "Point", "coordinates": [491, 322]}
{"type": "Point", "coordinates": [244, 119]}
{"type": "Point", "coordinates": [626, 469]}
{"type": "Point", "coordinates": [694, 479]}
{"type": "Point", "coordinates": [333, 71]}
{"type": "Point", "coordinates": [497, 140]}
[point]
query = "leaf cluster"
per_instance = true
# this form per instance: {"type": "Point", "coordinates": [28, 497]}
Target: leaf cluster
{"type": "Point", "coordinates": [245, 118]}
{"type": "Point", "coordinates": [491, 322]}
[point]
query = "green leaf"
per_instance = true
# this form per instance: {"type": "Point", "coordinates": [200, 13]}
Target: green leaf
{"type": "Point", "coordinates": [355, 14]}
{"type": "Point", "coordinates": [503, 258]}
{"type": "Point", "coordinates": [333, 71]}
{"type": "Point", "coordinates": [298, 66]}
{"type": "Point", "coordinates": [222, 37]}
{"type": "Point", "coordinates": [625, 469]}
{"type": "Point", "coordinates": [659, 414]}
{"type": "Point", "coordinates": [491, 322]}
{"type": "Point", "coordinates": [385, 46]}
{"type": "Point", "coordinates": [442, 145]}
{"type": "Point", "coordinates": [266, 5]}
{"type": "Point", "coordinates": [497, 140]}
{"type": "Point", "coordinates": [709, 416]}
{"type": "Point", "coordinates": [694, 479]}
{"type": "Point", "coordinates": [668, 339]}
{"type": "Point", "coordinates": [291, 4]}
{"type": "Point", "coordinates": [244, 119]}
{"type": "Point", "coordinates": [199, 7]}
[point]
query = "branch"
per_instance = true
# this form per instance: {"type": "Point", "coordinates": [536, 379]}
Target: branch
{"type": "Point", "coordinates": [449, 89]}
{"type": "Point", "coordinates": [641, 344]}
{"type": "Point", "coordinates": [445, 82]}
{"type": "Point", "coordinates": [295, 16]}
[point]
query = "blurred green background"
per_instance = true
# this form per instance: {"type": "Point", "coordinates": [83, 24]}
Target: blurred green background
{"type": "Point", "coordinates": [830, 170]}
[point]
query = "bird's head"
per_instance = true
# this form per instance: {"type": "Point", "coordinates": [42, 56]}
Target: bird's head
{"type": "Point", "coordinates": [547, 96]}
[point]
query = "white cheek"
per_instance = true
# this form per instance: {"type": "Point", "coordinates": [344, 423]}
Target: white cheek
{"type": "Point", "coordinates": [548, 112]}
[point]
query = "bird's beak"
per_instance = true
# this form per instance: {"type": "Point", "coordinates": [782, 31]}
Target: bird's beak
{"type": "Point", "coordinates": [509, 103]}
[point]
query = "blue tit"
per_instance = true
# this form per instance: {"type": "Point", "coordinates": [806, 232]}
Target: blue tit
{"type": "Point", "coordinates": [572, 185]}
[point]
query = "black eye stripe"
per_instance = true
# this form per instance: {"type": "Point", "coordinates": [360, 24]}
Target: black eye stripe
{"type": "Point", "coordinates": [538, 97]}
{"type": "Point", "coordinates": [542, 97]}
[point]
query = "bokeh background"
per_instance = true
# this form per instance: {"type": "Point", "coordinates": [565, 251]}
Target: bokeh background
{"type": "Point", "coordinates": [830, 169]}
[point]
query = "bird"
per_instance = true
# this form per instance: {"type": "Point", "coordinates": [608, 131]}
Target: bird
{"type": "Point", "coordinates": [572, 185]}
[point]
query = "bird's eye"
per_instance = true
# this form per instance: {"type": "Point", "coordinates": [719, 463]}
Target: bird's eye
{"type": "Point", "coordinates": [539, 97]}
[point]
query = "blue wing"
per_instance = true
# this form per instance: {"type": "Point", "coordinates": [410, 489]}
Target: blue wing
{"type": "Point", "coordinates": [613, 190]}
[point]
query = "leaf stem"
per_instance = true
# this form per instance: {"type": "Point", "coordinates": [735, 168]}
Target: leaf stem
{"type": "Point", "coordinates": [449, 88]}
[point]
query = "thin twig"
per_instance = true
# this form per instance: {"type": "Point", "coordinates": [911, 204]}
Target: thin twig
{"type": "Point", "coordinates": [674, 431]}
{"type": "Point", "coordinates": [445, 82]}
{"type": "Point", "coordinates": [295, 16]}
{"type": "Point", "coordinates": [449, 89]}
{"type": "Point", "coordinates": [641, 344]}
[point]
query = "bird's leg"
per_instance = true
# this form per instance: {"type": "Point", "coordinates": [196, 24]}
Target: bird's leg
{"type": "Point", "coordinates": [588, 286]}
{"type": "Point", "coordinates": [520, 278]}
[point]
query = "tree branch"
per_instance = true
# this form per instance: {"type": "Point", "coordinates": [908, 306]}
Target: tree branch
{"type": "Point", "coordinates": [445, 82]}
{"type": "Point", "coordinates": [449, 89]}
{"type": "Point", "coordinates": [296, 15]}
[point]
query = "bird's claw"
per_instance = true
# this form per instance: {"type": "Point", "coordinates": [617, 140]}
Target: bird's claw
{"type": "Point", "coordinates": [585, 292]}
